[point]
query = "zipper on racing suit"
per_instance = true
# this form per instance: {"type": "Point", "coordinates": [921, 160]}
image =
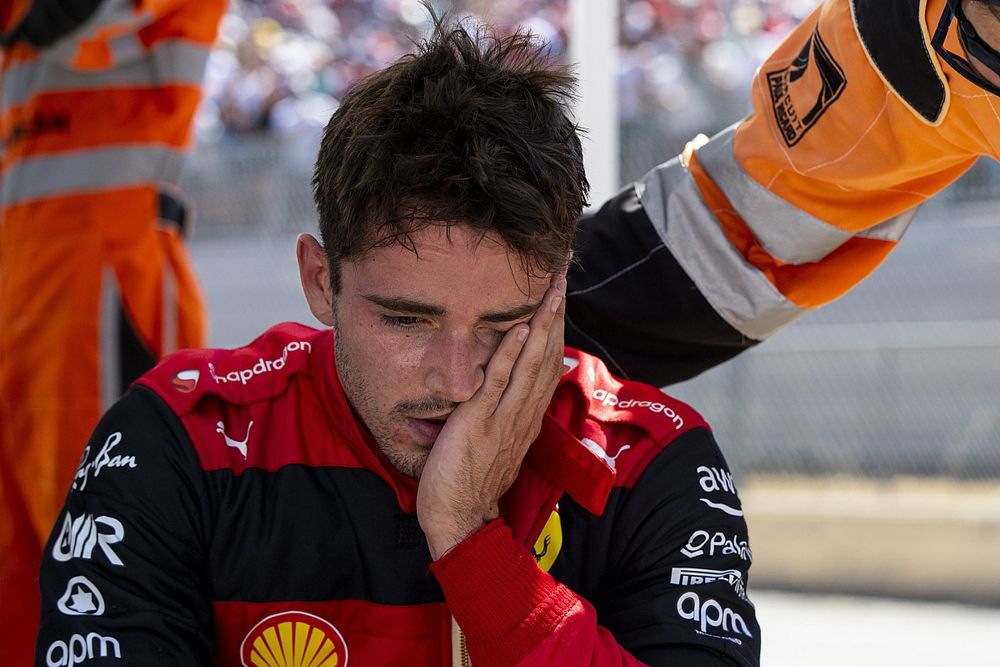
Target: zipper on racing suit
{"type": "Point", "coordinates": [459, 651]}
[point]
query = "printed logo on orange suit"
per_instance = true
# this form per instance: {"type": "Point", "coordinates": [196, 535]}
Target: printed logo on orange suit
{"type": "Point", "coordinates": [293, 639]}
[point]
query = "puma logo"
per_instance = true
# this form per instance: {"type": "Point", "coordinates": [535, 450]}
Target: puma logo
{"type": "Point", "coordinates": [240, 446]}
{"type": "Point", "coordinates": [596, 449]}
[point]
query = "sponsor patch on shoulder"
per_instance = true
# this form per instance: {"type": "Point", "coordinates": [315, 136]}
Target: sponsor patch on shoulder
{"type": "Point", "coordinates": [803, 91]}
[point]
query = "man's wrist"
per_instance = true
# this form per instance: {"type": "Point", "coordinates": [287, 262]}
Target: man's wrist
{"type": "Point", "coordinates": [439, 541]}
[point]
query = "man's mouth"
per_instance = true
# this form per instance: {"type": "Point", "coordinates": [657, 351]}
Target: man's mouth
{"type": "Point", "coordinates": [429, 427]}
{"type": "Point", "coordinates": [440, 419]}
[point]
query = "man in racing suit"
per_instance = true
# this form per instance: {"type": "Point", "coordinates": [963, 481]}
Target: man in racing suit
{"type": "Point", "coordinates": [282, 503]}
{"type": "Point", "coordinates": [865, 111]}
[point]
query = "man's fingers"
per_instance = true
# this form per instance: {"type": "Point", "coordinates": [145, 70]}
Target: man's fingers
{"type": "Point", "coordinates": [498, 370]}
{"type": "Point", "coordinates": [534, 374]}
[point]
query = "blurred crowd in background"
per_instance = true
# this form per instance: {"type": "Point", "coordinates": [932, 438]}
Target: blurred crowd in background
{"type": "Point", "coordinates": [281, 66]}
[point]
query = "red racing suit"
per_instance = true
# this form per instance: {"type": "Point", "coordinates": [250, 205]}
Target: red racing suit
{"type": "Point", "coordinates": [230, 509]}
{"type": "Point", "coordinates": [856, 121]}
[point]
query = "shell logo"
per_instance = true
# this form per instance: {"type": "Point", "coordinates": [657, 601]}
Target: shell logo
{"type": "Point", "coordinates": [294, 639]}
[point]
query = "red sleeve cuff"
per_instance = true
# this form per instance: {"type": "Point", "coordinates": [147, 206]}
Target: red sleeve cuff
{"type": "Point", "coordinates": [504, 603]}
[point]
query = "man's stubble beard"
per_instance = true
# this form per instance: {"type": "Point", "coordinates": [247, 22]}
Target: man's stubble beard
{"type": "Point", "coordinates": [355, 385]}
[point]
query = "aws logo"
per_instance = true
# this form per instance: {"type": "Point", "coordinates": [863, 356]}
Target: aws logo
{"type": "Point", "coordinates": [549, 542]}
{"type": "Point", "coordinates": [294, 639]}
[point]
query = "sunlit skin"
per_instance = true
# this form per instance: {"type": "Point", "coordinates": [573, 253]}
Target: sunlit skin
{"type": "Point", "coordinates": [985, 18]}
{"type": "Point", "coordinates": [449, 355]}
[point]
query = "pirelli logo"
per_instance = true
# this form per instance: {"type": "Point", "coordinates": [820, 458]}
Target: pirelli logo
{"type": "Point", "coordinates": [696, 576]}
{"type": "Point", "coordinates": [802, 92]}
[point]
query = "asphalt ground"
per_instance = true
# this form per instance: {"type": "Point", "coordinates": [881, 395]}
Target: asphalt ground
{"type": "Point", "coordinates": [839, 631]}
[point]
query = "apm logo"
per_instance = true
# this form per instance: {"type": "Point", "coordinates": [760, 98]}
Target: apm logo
{"type": "Point", "coordinates": [803, 91]}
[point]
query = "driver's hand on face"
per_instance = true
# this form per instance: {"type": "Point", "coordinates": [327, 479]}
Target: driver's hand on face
{"type": "Point", "coordinates": [478, 453]}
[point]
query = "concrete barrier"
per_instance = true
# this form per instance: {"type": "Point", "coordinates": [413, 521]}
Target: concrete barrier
{"type": "Point", "coordinates": [930, 539]}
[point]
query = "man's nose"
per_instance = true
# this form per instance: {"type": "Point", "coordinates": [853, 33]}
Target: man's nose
{"type": "Point", "coordinates": [456, 366]}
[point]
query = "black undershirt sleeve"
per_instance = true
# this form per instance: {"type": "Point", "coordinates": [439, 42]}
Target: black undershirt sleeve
{"type": "Point", "coordinates": [630, 303]}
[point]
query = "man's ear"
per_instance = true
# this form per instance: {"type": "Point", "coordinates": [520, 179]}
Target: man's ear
{"type": "Point", "coordinates": [314, 272]}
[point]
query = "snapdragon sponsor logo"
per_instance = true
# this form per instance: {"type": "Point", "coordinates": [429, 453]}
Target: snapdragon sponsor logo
{"type": "Point", "coordinates": [611, 400]}
{"type": "Point", "coordinates": [570, 363]}
{"type": "Point", "coordinates": [703, 543]}
{"type": "Point", "coordinates": [80, 649]}
{"type": "Point", "coordinates": [262, 366]}
{"type": "Point", "coordinates": [186, 381]}
{"type": "Point", "coordinates": [80, 535]}
{"type": "Point", "coordinates": [710, 614]}
{"type": "Point", "coordinates": [103, 460]}
{"type": "Point", "coordinates": [697, 576]}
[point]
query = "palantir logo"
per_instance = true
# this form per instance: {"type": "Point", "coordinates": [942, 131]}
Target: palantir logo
{"type": "Point", "coordinates": [702, 542]}
{"type": "Point", "coordinates": [79, 536]}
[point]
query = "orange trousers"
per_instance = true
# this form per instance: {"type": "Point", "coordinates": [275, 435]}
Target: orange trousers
{"type": "Point", "coordinates": [93, 289]}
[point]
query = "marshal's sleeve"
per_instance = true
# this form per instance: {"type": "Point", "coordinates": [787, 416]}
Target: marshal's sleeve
{"type": "Point", "coordinates": [855, 124]}
{"type": "Point", "coordinates": [123, 574]}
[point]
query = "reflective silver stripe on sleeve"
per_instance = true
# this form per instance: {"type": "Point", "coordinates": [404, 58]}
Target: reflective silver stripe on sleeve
{"type": "Point", "coordinates": [174, 61]}
{"type": "Point", "coordinates": [786, 232]}
{"type": "Point", "coordinates": [892, 229]}
{"type": "Point", "coordinates": [109, 339]}
{"type": "Point", "coordinates": [736, 290]}
{"type": "Point", "coordinates": [90, 170]}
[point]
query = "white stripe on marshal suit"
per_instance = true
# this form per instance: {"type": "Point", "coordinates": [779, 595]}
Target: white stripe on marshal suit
{"type": "Point", "coordinates": [89, 170]}
{"type": "Point", "coordinates": [109, 339]}
{"type": "Point", "coordinates": [119, 15]}
{"type": "Point", "coordinates": [786, 232]}
{"type": "Point", "coordinates": [892, 229]}
{"type": "Point", "coordinates": [173, 61]}
{"type": "Point", "coordinates": [740, 293]}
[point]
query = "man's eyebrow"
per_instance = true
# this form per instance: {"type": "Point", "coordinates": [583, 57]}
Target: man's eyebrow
{"type": "Point", "coordinates": [404, 305]}
{"type": "Point", "coordinates": [511, 314]}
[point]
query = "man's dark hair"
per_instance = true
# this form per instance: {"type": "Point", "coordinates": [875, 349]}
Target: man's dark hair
{"type": "Point", "coordinates": [472, 129]}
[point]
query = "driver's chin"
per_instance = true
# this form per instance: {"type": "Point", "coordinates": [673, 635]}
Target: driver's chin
{"type": "Point", "coordinates": [406, 454]}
